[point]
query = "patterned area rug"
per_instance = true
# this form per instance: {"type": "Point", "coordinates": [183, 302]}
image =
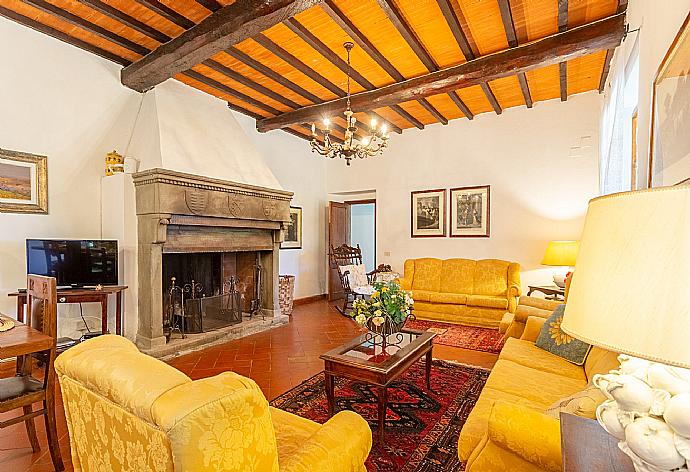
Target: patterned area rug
{"type": "Point", "coordinates": [466, 337]}
{"type": "Point", "coordinates": [422, 427]}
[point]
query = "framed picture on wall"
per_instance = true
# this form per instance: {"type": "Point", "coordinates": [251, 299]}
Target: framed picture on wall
{"type": "Point", "coordinates": [470, 212]}
{"type": "Point", "coordinates": [23, 182]}
{"type": "Point", "coordinates": [428, 218]}
{"type": "Point", "coordinates": [669, 150]}
{"type": "Point", "coordinates": [293, 235]}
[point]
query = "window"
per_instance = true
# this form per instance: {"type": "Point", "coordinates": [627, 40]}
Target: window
{"type": "Point", "coordinates": [617, 161]}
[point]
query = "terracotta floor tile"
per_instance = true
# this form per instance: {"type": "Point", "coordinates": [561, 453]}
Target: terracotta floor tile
{"type": "Point", "coordinates": [277, 360]}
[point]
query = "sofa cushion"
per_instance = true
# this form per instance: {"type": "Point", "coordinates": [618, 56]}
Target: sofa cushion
{"type": "Point", "coordinates": [291, 431]}
{"type": "Point", "coordinates": [449, 298]}
{"type": "Point", "coordinates": [488, 301]}
{"type": "Point", "coordinates": [427, 274]}
{"type": "Point", "coordinates": [476, 425]}
{"type": "Point", "coordinates": [554, 340]}
{"type": "Point", "coordinates": [532, 384]}
{"type": "Point", "coordinates": [458, 276]}
{"type": "Point", "coordinates": [491, 277]}
{"type": "Point", "coordinates": [526, 353]}
{"type": "Point", "coordinates": [583, 403]}
{"type": "Point", "coordinates": [422, 295]}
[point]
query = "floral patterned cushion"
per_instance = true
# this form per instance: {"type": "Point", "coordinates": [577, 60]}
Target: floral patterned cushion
{"type": "Point", "coordinates": [554, 340]}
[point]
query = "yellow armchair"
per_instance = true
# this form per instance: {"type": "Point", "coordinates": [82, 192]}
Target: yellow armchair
{"type": "Point", "coordinates": [128, 411]}
{"type": "Point", "coordinates": [518, 438]}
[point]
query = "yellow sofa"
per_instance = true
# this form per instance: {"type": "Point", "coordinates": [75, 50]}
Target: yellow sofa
{"type": "Point", "coordinates": [507, 429]}
{"type": "Point", "coordinates": [130, 412]}
{"type": "Point", "coordinates": [463, 291]}
{"type": "Point", "coordinates": [513, 324]}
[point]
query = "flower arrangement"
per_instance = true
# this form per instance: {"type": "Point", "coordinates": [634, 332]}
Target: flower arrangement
{"type": "Point", "coordinates": [387, 309]}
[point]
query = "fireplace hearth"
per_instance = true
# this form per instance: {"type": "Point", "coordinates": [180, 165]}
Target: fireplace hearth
{"type": "Point", "coordinates": [209, 231]}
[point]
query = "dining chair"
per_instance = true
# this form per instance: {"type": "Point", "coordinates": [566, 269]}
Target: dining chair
{"type": "Point", "coordinates": [23, 390]}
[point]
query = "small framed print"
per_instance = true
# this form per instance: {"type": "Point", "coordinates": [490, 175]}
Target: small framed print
{"type": "Point", "coordinates": [470, 212]}
{"type": "Point", "coordinates": [428, 218]}
{"type": "Point", "coordinates": [293, 235]}
{"type": "Point", "coordinates": [23, 182]}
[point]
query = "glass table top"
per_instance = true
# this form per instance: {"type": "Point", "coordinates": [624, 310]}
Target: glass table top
{"type": "Point", "coordinates": [369, 349]}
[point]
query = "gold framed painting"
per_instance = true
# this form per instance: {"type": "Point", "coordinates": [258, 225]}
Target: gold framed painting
{"type": "Point", "coordinates": [293, 235]}
{"type": "Point", "coordinates": [428, 218]}
{"type": "Point", "coordinates": [470, 212]}
{"type": "Point", "coordinates": [23, 182]}
{"type": "Point", "coordinates": [669, 149]}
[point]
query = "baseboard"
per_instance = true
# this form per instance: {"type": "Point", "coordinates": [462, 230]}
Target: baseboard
{"type": "Point", "coordinates": [306, 300]}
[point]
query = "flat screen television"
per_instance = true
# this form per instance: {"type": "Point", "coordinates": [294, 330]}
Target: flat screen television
{"type": "Point", "coordinates": [74, 263]}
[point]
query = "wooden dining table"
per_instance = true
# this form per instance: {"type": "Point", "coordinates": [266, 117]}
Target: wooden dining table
{"type": "Point", "coordinates": [23, 340]}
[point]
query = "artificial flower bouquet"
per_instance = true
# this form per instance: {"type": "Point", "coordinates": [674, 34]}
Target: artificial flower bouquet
{"type": "Point", "coordinates": [386, 311]}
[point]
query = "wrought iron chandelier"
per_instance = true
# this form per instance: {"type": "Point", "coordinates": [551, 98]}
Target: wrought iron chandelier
{"type": "Point", "coordinates": [352, 146]}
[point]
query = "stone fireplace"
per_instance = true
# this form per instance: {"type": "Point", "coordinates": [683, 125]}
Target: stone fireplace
{"type": "Point", "coordinates": [224, 227]}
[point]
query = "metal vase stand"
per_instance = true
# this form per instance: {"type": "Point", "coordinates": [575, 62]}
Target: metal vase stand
{"type": "Point", "coordinates": [387, 334]}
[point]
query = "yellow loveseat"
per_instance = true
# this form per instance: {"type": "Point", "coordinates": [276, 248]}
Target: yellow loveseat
{"type": "Point", "coordinates": [127, 411]}
{"type": "Point", "coordinates": [463, 291]}
{"type": "Point", "coordinates": [507, 429]}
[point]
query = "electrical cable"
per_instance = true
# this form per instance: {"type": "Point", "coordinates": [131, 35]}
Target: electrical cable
{"type": "Point", "coordinates": [81, 312]}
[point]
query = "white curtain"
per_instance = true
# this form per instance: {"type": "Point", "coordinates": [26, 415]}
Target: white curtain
{"type": "Point", "coordinates": [615, 156]}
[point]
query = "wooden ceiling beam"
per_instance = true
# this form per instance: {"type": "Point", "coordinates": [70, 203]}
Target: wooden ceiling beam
{"type": "Point", "coordinates": [237, 77]}
{"type": "Point", "coordinates": [167, 13]}
{"type": "Point", "coordinates": [461, 38]}
{"type": "Point", "coordinates": [308, 37]}
{"type": "Point", "coordinates": [577, 42]}
{"type": "Point", "coordinates": [511, 36]}
{"type": "Point", "coordinates": [395, 16]}
{"type": "Point", "coordinates": [199, 77]}
{"type": "Point", "coordinates": [64, 37]}
{"type": "Point", "coordinates": [271, 74]}
{"type": "Point", "coordinates": [125, 19]}
{"type": "Point", "coordinates": [622, 6]}
{"type": "Point", "coordinates": [218, 31]}
{"type": "Point", "coordinates": [341, 19]}
{"type": "Point", "coordinates": [563, 66]}
{"type": "Point", "coordinates": [269, 45]}
{"type": "Point", "coordinates": [306, 136]}
{"type": "Point", "coordinates": [86, 25]}
{"type": "Point", "coordinates": [211, 5]}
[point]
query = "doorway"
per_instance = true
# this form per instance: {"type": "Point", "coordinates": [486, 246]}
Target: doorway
{"type": "Point", "coordinates": [351, 222]}
{"type": "Point", "coordinates": [363, 230]}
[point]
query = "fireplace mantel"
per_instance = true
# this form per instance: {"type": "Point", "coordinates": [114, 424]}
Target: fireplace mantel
{"type": "Point", "coordinates": [179, 212]}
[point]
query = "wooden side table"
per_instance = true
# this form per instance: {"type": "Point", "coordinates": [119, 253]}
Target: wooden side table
{"type": "Point", "coordinates": [586, 447]}
{"type": "Point", "coordinates": [85, 295]}
{"type": "Point", "coordinates": [552, 292]}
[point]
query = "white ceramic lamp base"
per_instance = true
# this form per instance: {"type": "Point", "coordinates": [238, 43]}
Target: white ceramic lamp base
{"type": "Point", "coordinates": [648, 410]}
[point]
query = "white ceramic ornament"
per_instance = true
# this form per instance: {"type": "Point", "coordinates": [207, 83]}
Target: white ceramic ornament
{"type": "Point", "coordinates": [652, 441]}
{"type": "Point", "coordinates": [631, 393]}
{"type": "Point", "coordinates": [677, 414]}
{"type": "Point", "coordinates": [607, 414]}
{"type": "Point", "coordinates": [674, 380]}
{"type": "Point", "coordinates": [633, 366]}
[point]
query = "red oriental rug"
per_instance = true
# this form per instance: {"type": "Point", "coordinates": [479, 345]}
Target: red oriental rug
{"type": "Point", "coordinates": [422, 427]}
{"type": "Point", "coordinates": [466, 337]}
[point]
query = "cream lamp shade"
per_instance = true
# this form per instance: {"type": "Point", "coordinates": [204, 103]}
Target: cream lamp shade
{"type": "Point", "coordinates": [630, 291]}
{"type": "Point", "coordinates": [561, 253]}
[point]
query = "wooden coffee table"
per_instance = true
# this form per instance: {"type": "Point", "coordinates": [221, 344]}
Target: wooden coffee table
{"type": "Point", "coordinates": [367, 362]}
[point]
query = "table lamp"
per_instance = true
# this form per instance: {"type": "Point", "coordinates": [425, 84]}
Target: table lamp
{"type": "Point", "coordinates": [562, 254]}
{"type": "Point", "coordinates": [630, 293]}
